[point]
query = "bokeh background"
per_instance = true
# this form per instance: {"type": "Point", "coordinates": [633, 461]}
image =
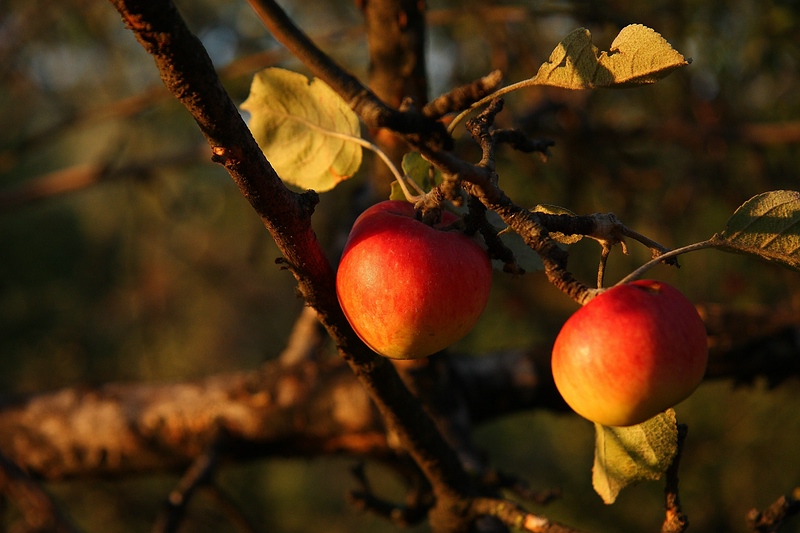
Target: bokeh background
{"type": "Point", "coordinates": [161, 271]}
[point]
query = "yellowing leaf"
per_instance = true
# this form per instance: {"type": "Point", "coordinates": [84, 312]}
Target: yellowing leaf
{"type": "Point", "coordinates": [304, 128]}
{"type": "Point", "coordinates": [626, 455]}
{"type": "Point", "coordinates": [638, 56]}
{"type": "Point", "coordinates": [766, 226]}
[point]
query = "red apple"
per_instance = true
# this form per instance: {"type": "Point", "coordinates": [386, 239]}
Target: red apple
{"type": "Point", "coordinates": [630, 353]}
{"type": "Point", "coordinates": [407, 288]}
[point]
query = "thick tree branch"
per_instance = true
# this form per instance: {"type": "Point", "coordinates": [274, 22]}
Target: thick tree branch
{"type": "Point", "coordinates": [188, 73]}
{"type": "Point", "coordinates": [395, 31]}
{"type": "Point", "coordinates": [306, 409]}
{"type": "Point", "coordinates": [116, 429]}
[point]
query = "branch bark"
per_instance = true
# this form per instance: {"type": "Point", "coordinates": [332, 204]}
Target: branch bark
{"type": "Point", "coordinates": [310, 408]}
{"type": "Point", "coordinates": [305, 409]}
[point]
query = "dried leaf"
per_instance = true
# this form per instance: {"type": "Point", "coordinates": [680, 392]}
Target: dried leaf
{"type": "Point", "coordinates": [638, 56]}
{"type": "Point", "coordinates": [302, 127]}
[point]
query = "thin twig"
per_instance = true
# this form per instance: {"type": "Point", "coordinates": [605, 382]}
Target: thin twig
{"type": "Point", "coordinates": [513, 515]}
{"type": "Point", "coordinates": [305, 340]}
{"type": "Point", "coordinates": [39, 512]}
{"type": "Point", "coordinates": [710, 243]}
{"type": "Point", "coordinates": [224, 502]}
{"type": "Point", "coordinates": [463, 96]}
{"type": "Point", "coordinates": [197, 475]}
{"type": "Point", "coordinates": [773, 517]}
{"type": "Point", "coordinates": [410, 513]}
{"type": "Point", "coordinates": [675, 521]}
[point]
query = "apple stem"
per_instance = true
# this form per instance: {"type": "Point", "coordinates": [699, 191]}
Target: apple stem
{"type": "Point", "coordinates": [636, 274]}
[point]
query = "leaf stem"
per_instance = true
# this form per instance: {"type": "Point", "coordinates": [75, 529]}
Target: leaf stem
{"type": "Point", "coordinates": [702, 245]}
{"type": "Point", "coordinates": [488, 98]}
{"type": "Point", "coordinates": [411, 197]}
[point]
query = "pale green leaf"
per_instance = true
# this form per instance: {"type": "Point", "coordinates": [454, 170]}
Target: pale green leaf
{"type": "Point", "coordinates": [304, 128]}
{"type": "Point", "coordinates": [397, 193]}
{"type": "Point", "coordinates": [766, 226]}
{"type": "Point", "coordinates": [638, 56]}
{"type": "Point", "coordinates": [418, 169]}
{"type": "Point", "coordinates": [626, 455]}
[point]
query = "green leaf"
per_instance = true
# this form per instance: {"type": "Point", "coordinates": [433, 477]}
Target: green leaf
{"type": "Point", "coordinates": [626, 455]}
{"type": "Point", "coordinates": [397, 193]}
{"type": "Point", "coordinates": [418, 169]}
{"type": "Point", "coordinates": [766, 226]}
{"type": "Point", "coordinates": [307, 132]}
{"type": "Point", "coordinates": [638, 56]}
{"type": "Point", "coordinates": [421, 171]}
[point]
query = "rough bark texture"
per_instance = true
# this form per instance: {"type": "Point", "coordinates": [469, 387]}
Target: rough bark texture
{"type": "Point", "coordinates": [120, 428]}
{"type": "Point", "coordinates": [310, 408]}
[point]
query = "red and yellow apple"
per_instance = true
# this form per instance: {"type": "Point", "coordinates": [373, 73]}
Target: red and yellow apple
{"type": "Point", "coordinates": [409, 289]}
{"type": "Point", "coordinates": [630, 353]}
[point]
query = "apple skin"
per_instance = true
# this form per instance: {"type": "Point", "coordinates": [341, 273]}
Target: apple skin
{"type": "Point", "coordinates": [409, 289]}
{"type": "Point", "coordinates": [630, 353]}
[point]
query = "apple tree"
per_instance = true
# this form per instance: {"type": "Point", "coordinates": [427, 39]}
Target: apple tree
{"type": "Point", "coordinates": [381, 366]}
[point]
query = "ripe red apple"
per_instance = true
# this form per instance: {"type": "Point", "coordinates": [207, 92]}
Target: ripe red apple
{"type": "Point", "coordinates": [630, 353]}
{"type": "Point", "coordinates": [407, 288]}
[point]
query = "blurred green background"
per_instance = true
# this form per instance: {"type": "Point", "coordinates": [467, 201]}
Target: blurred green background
{"type": "Point", "coordinates": [165, 273]}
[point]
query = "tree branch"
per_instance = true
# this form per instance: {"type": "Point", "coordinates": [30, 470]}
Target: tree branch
{"type": "Point", "coordinates": [188, 73]}
{"type": "Point", "coordinates": [772, 518]}
{"type": "Point", "coordinates": [120, 428]}
{"type": "Point", "coordinates": [199, 474]}
{"type": "Point", "coordinates": [675, 521]}
{"type": "Point", "coordinates": [374, 112]}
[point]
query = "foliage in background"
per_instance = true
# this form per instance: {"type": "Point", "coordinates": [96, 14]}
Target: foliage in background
{"type": "Point", "coordinates": [164, 273]}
